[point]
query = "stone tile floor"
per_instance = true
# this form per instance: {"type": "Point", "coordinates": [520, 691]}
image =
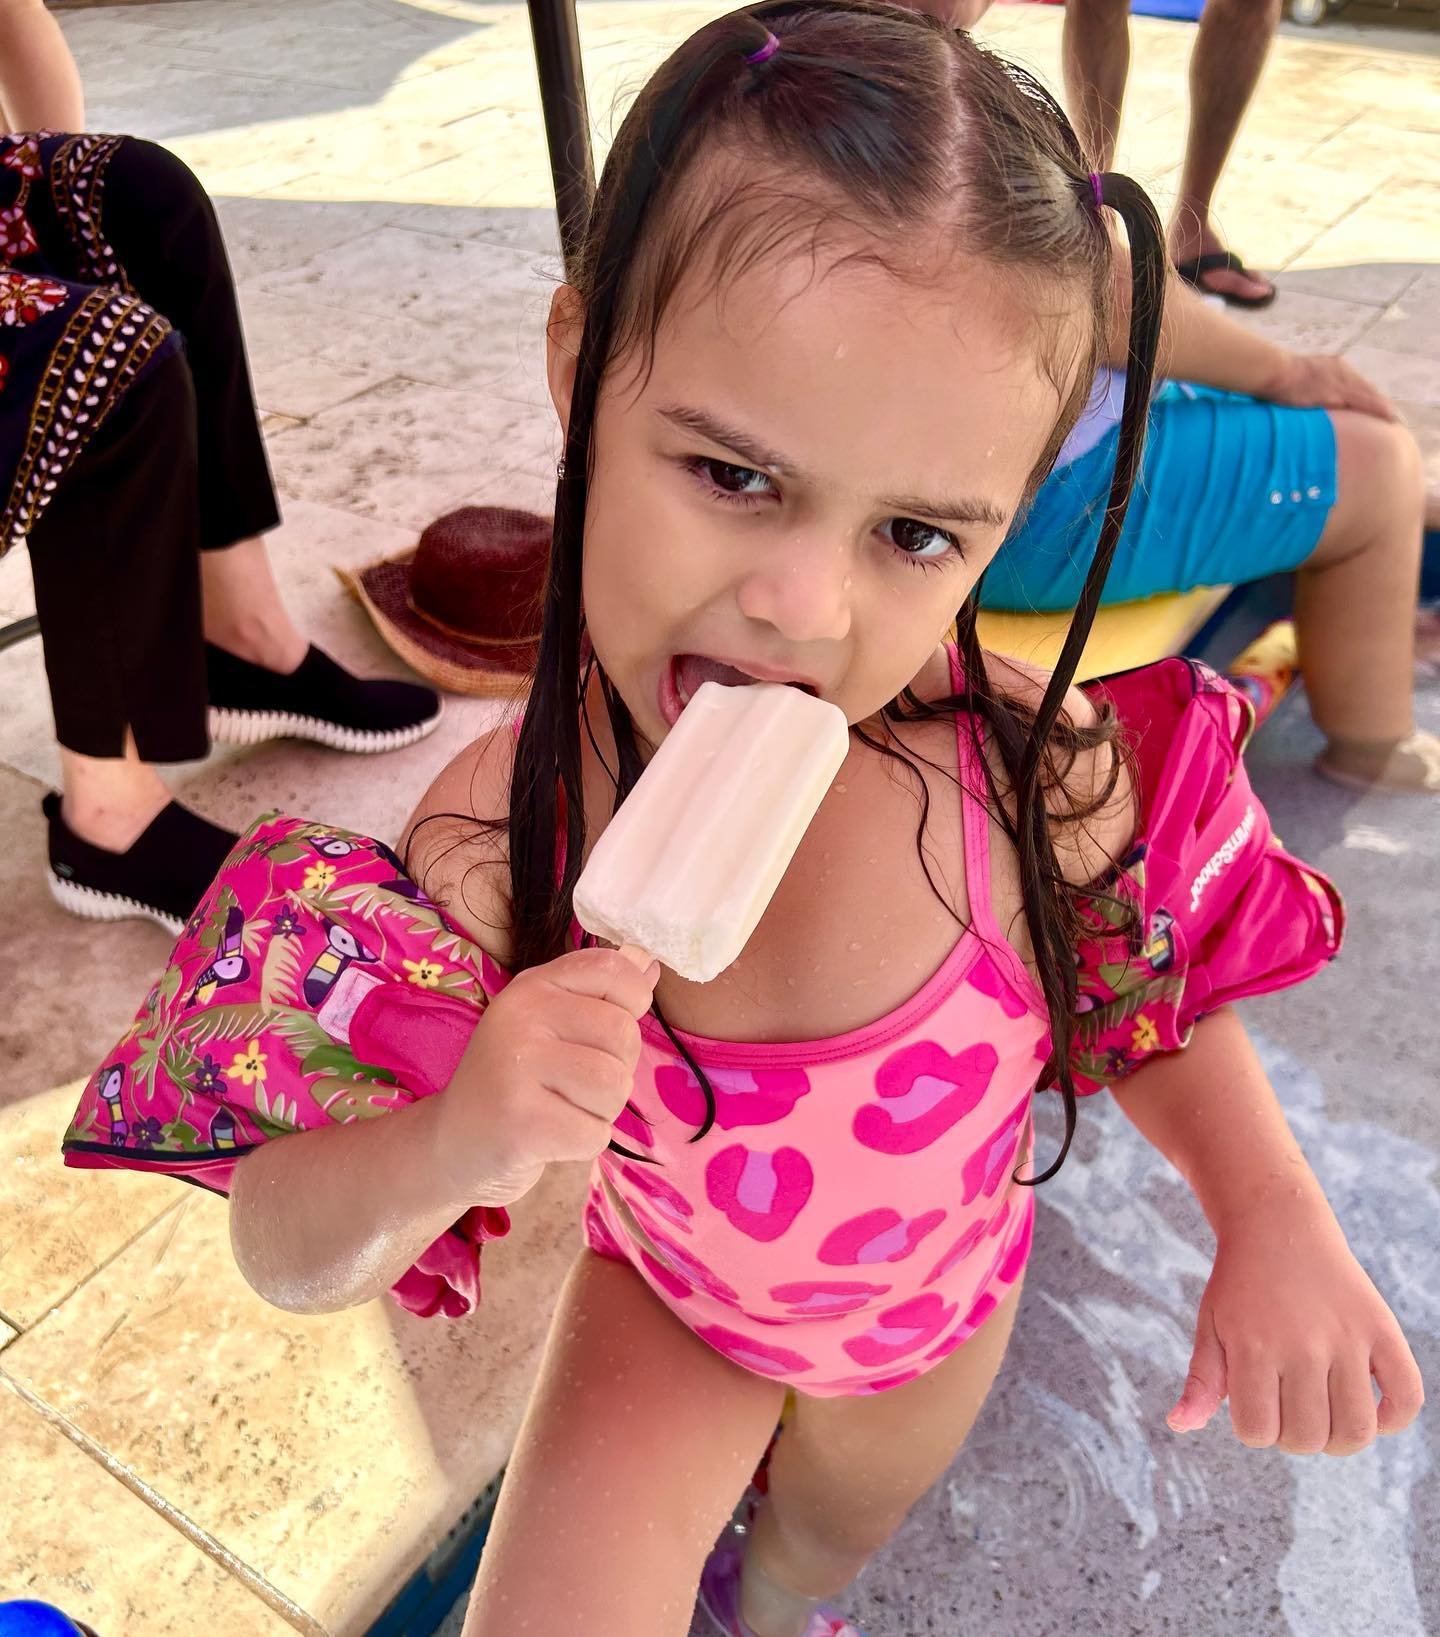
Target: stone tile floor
{"type": "Point", "coordinates": [175, 1446]}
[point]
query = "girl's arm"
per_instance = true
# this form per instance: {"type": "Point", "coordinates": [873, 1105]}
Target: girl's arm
{"type": "Point", "coordinates": [39, 82]}
{"type": "Point", "coordinates": [323, 1220]}
{"type": "Point", "coordinates": [1290, 1327]}
{"type": "Point", "coordinates": [1200, 343]}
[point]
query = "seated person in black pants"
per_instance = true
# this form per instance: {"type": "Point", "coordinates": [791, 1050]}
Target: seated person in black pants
{"type": "Point", "coordinates": [132, 465]}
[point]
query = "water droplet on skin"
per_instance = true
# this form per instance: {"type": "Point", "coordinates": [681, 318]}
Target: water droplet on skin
{"type": "Point", "coordinates": [791, 982]}
{"type": "Point", "coordinates": [846, 583]}
{"type": "Point", "coordinates": [840, 789]}
{"type": "Point", "coordinates": [854, 947]}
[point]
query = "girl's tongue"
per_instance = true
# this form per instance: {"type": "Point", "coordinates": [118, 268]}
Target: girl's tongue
{"type": "Point", "coordinates": [693, 669]}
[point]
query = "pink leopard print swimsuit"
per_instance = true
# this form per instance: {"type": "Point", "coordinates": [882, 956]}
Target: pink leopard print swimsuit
{"type": "Point", "coordinates": [850, 1218]}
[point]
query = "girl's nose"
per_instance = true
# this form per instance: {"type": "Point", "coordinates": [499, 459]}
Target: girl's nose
{"type": "Point", "coordinates": [803, 590]}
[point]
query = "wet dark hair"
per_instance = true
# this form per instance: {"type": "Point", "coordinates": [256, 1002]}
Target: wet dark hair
{"type": "Point", "coordinates": [870, 130]}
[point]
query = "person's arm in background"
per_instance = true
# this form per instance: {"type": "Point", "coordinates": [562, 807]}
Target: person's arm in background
{"type": "Point", "coordinates": [39, 83]}
{"type": "Point", "coordinates": [1200, 343]}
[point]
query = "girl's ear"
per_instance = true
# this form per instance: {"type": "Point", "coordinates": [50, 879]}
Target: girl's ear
{"type": "Point", "coordinates": [562, 349]}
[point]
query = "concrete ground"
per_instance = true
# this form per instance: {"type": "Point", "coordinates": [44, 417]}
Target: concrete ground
{"type": "Point", "coordinates": [173, 1445]}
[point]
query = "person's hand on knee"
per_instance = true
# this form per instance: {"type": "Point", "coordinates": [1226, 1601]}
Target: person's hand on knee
{"type": "Point", "coordinates": [1325, 381]}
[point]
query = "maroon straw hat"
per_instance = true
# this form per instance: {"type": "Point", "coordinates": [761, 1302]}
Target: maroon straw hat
{"type": "Point", "coordinates": [462, 607]}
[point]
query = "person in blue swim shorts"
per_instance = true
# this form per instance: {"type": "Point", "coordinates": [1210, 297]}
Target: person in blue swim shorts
{"type": "Point", "coordinates": [1258, 460]}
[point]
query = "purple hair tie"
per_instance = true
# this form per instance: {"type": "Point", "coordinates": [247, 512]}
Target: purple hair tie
{"type": "Point", "coordinates": [1097, 187]}
{"type": "Point", "coordinates": [766, 51]}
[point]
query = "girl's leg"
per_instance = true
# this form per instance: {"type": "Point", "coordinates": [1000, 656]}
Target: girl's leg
{"type": "Point", "coordinates": [636, 1444]}
{"type": "Point", "coordinates": [847, 1471]}
{"type": "Point", "coordinates": [1355, 610]}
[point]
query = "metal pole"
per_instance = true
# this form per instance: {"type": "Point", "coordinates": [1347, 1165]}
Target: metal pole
{"type": "Point", "coordinates": [567, 119]}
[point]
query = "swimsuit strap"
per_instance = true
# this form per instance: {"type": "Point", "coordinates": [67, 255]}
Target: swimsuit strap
{"type": "Point", "coordinates": [974, 791]}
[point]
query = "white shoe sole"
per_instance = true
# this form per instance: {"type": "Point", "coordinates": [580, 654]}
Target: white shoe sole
{"type": "Point", "coordinates": [233, 727]}
{"type": "Point", "coordinates": [94, 905]}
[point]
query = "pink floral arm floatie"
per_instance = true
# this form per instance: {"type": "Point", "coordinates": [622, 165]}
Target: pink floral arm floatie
{"type": "Point", "coordinates": [315, 984]}
{"type": "Point", "coordinates": [1224, 910]}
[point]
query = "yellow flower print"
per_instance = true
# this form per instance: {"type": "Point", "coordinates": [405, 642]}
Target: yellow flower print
{"type": "Point", "coordinates": [248, 1066]}
{"type": "Point", "coordinates": [319, 878]}
{"type": "Point", "coordinates": [1146, 1037]}
{"type": "Point", "coordinates": [426, 974]}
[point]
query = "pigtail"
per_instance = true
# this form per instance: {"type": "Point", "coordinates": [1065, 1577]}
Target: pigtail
{"type": "Point", "coordinates": [546, 786]}
{"type": "Point", "coordinates": [1054, 953]}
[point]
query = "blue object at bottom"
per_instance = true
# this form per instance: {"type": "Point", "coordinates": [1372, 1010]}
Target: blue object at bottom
{"type": "Point", "coordinates": [29, 1619]}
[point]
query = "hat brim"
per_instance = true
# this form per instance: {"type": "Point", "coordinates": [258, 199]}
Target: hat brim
{"type": "Point", "coordinates": [475, 668]}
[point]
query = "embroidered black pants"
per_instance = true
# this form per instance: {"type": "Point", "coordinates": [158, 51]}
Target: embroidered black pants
{"type": "Point", "coordinates": [177, 468]}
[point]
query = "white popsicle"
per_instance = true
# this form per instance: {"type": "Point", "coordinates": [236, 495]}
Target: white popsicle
{"type": "Point", "coordinates": [687, 867]}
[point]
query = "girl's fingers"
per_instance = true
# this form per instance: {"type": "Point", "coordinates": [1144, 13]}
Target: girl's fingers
{"type": "Point", "coordinates": [1402, 1392]}
{"type": "Point", "coordinates": [1304, 1409]}
{"type": "Point", "coordinates": [1352, 1406]}
{"type": "Point", "coordinates": [1205, 1385]}
{"type": "Point", "coordinates": [1254, 1401]}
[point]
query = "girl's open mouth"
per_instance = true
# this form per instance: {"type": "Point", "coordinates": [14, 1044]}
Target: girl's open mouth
{"type": "Point", "coordinates": [684, 675]}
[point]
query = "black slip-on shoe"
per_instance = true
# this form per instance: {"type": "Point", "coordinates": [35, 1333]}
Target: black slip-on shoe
{"type": "Point", "coordinates": [160, 877]}
{"type": "Point", "coordinates": [320, 700]}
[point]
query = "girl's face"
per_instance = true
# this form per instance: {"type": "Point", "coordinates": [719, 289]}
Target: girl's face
{"type": "Point", "coordinates": [808, 484]}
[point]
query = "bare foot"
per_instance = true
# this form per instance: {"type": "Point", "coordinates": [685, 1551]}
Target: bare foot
{"type": "Point", "coordinates": [115, 825]}
{"type": "Point", "coordinates": [1411, 767]}
{"type": "Point", "coordinates": [1188, 243]}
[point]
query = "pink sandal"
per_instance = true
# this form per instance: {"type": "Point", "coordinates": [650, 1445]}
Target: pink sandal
{"type": "Point", "coordinates": [720, 1597]}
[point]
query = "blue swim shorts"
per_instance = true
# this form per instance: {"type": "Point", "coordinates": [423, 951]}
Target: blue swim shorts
{"type": "Point", "coordinates": [1231, 489]}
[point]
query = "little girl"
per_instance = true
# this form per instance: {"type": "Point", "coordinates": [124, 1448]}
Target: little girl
{"type": "Point", "coordinates": [843, 292]}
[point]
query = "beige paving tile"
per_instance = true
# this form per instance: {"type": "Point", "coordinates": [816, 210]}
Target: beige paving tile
{"type": "Point", "coordinates": [57, 1225]}
{"type": "Point", "coordinates": [406, 450]}
{"type": "Point", "coordinates": [531, 228]}
{"type": "Point", "coordinates": [264, 234]}
{"type": "Point", "coordinates": [452, 312]}
{"type": "Point", "coordinates": [1412, 323]}
{"type": "Point", "coordinates": [1311, 323]}
{"type": "Point", "coordinates": [77, 1538]}
{"type": "Point", "coordinates": [327, 1454]}
{"type": "Point", "coordinates": [1403, 376]}
{"type": "Point", "coordinates": [299, 387]}
{"type": "Point", "coordinates": [1376, 284]}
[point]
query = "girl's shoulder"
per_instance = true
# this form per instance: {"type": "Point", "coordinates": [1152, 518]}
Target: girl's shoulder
{"type": "Point", "coordinates": [456, 842]}
{"type": "Point", "coordinates": [1092, 806]}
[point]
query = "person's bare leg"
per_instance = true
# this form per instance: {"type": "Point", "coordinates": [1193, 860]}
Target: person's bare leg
{"type": "Point", "coordinates": [1355, 607]}
{"type": "Point", "coordinates": [1231, 45]}
{"type": "Point", "coordinates": [1095, 47]}
{"type": "Point", "coordinates": [244, 613]}
{"type": "Point", "coordinates": [110, 800]}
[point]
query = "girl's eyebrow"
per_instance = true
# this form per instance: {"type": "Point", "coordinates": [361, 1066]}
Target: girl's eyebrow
{"type": "Point", "coordinates": [705, 425]}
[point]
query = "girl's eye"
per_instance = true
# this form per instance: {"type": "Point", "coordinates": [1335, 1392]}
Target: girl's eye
{"type": "Point", "coordinates": [732, 482]}
{"type": "Point", "coordinates": [922, 540]}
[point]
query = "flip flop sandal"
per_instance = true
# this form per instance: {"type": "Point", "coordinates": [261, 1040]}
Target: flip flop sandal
{"type": "Point", "coordinates": [1213, 261]}
{"type": "Point", "coordinates": [720, 1599]}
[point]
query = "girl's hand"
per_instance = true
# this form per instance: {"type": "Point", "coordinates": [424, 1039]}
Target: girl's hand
{"type": "Point", "coordinates": [1291, 1330]}
{"type": "Point", "coordinates": [1321, 381]}
{"type": "Point", "coordinates": [545, 1074]}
